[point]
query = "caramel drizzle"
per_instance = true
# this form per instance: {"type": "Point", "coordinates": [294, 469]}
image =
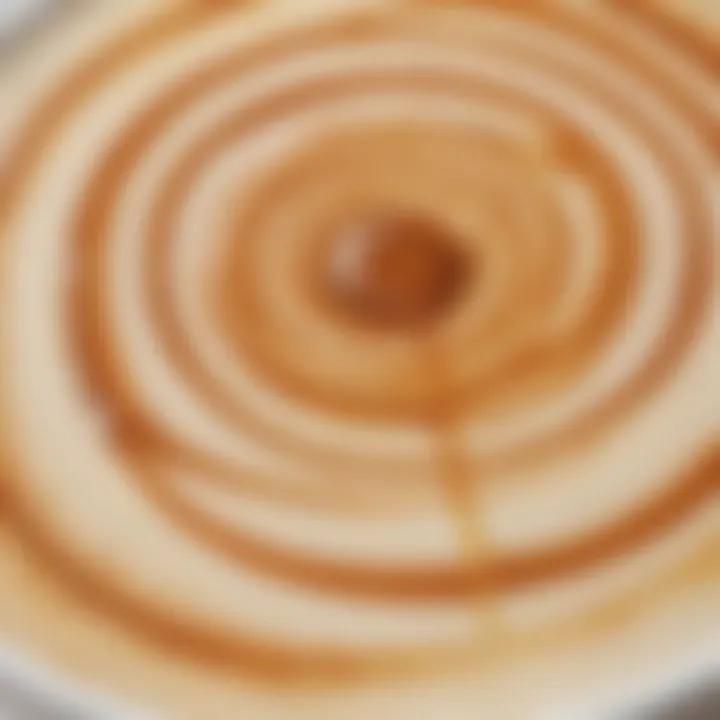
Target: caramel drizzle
{"type": "Point", "coordinates": [142, 441]}
{"type": "Point", "coordinates": [147, 440]}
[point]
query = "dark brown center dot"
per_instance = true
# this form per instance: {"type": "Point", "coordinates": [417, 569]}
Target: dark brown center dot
{"type": "Point", "coordinates": [394, 272]}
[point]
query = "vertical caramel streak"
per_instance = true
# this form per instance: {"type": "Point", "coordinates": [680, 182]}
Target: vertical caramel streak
{"type": "Point", "coordinates": [458, 478]}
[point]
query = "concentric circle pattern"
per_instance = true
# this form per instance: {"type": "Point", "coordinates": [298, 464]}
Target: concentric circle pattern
{"type": "Point", "coordinates": [204, 442]}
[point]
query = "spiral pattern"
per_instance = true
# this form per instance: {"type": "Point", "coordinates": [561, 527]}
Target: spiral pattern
{"type": "Point", "coordinates": [206, 445]}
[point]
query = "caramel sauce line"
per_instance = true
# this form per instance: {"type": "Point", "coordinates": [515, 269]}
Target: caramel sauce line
{"type": "Point", "coordinates": [455, 471]}
{"type": "Point", "coordinates": [462, 487]}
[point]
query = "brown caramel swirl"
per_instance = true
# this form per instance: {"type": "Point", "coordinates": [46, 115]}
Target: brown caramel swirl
{"type": "Point", "coordinates": [325, 334]}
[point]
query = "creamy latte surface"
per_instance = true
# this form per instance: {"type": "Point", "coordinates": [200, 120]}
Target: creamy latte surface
{"type": "Point", "coordinates": [361, 358]}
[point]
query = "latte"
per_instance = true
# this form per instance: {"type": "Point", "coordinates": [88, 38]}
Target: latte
{"type": "Point", "coordinates": [362, 358]}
